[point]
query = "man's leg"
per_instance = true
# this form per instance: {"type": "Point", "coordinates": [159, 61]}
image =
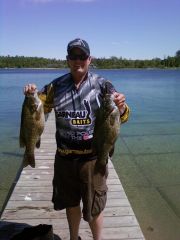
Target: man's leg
{"type": "Point", "coordinates": [96, 226]}
{"type": "Point", "coordinates": [74, 218]}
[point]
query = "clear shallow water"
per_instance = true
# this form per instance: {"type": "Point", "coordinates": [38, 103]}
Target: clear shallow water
{"type": "Point", "coordinates": [147, 153]}
{"type": "Point", "coordinates": [11, 99]}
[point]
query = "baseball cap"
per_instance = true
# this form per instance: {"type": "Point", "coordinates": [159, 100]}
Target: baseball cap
{"type": "Point", "coordinates": [79, 43]}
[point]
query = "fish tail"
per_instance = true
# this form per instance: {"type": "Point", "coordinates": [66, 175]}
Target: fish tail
{"type": "Point", "coordinates": [29, 159]}
{"type": "Point", "coordinates": [100, 167]}
{"type": "Point", "coordinates": [38, 144]}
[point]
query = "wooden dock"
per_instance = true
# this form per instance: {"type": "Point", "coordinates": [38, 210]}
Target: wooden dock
{"type": "Point", "coordinates": [30, 203]}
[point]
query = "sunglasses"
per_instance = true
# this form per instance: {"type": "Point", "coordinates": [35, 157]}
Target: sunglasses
{"type": "Point", "coordinates": [81, 57]}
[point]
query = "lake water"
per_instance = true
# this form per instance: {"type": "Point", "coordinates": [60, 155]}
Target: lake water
{"type": "Point", "coordinates": [147, 155]}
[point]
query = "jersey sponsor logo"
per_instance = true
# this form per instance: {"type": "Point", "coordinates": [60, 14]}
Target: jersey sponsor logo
{"type": "Point", "coordinates": [79, 135]}
{"type": "Point", "coordinates": [79, 117]}
{"type": "Point", "coordinates": [74, 151]}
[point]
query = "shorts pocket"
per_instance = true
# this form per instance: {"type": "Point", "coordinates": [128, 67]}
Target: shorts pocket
{"type": "Point", "coordinates": [99, 202]}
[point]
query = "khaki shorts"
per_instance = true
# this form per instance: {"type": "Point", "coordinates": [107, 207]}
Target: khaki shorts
{"type": "Point", "coordinates": [75, 180]}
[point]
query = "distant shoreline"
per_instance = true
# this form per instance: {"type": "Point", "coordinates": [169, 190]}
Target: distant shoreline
{"type": "Point", "coordinates": [46, 68]}
{"type": "Point", "coordinates": [97, 63]}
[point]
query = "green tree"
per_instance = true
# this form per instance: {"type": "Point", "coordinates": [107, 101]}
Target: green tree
{"type": "Point", "coordinates": [178, 54]}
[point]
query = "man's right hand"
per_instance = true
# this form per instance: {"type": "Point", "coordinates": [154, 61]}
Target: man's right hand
{"type": "Point", "coordinates": [30, 88]}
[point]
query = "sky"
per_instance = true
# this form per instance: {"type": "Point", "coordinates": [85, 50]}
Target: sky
{"type": "Point", "coordinates": [131, 29]}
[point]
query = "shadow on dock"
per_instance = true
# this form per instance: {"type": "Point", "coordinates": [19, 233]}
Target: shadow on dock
{"type": "Point", "coordinates": [22, 231]}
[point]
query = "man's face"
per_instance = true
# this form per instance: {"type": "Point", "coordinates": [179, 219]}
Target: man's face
{"type": "Point", "coordinates": [78, 62]}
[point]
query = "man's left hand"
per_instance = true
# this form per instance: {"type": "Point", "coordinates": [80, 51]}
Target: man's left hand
{"type": "Point", "coordinates": [119, 100]}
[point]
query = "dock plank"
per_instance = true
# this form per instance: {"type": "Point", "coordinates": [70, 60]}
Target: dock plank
{"type": "Point", "coordinates": [30, 202]}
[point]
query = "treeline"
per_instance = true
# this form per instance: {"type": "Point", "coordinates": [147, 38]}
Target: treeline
{"type": "Point", "coordinates": [30, 62]}
{"type": "Point", "coordinates": [114, 62]}
{"type": "Point", "coordinates": [106, 63]}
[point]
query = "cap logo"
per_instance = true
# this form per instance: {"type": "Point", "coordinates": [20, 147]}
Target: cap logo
{"type": "Point", "coordinates": [79, 43]}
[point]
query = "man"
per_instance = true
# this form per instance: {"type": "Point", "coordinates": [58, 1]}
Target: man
{"type": "Point", "coordinates": [75, 97]}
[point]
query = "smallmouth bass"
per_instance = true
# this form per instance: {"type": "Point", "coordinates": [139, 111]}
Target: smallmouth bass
{"type": "Point", "coordinates": [32, 126]}
{"type": "Point", "coordinates": [106, 130]}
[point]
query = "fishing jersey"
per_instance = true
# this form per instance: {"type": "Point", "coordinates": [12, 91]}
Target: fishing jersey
{"type": "Point", "coordinates": [75, 111]}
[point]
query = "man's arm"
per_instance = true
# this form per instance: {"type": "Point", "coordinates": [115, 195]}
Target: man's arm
{"type": "Point", "coordinates": [125, 115]}
{"type": "Point", "coordinates": [124, 110]}
{"type": "Point", "coordinates": [46, 95]}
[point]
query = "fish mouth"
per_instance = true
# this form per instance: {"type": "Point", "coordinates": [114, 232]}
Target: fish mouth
{"type": "Point", "coordinates": [29, 95]}
{"type": "Point", "coordinates": [32, 94]}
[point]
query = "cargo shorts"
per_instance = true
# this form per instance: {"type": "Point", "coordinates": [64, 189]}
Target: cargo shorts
{"type": "Point", "coordinates": [75, 180]}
